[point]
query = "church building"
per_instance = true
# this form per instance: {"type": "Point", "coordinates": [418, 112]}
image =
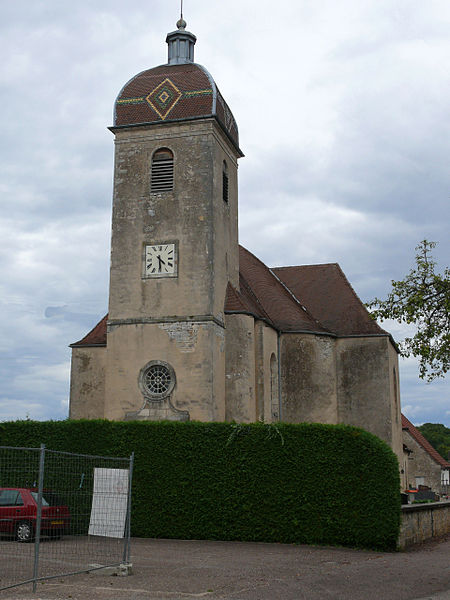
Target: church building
{"type": "Point", "coordinates": [198, 327]}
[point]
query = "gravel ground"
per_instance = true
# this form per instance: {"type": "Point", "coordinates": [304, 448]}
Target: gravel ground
{"type": "Point", "coordinates": [178, 569]}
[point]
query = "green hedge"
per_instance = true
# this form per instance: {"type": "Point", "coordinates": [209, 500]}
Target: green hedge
{"type": "Point", "coordinates": [304, 483]}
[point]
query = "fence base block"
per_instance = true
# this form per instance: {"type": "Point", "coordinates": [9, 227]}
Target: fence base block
{"type": "Point", "coordinates": [122, 570]}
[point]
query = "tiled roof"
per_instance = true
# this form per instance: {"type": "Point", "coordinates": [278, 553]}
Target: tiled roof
{"type": "Point", "coordinates": [96, 337]}
{"type": "Point", "coordinates": [415, 434]}
{"type": "Point", "coordinates": [329, 298]}
{"type": "Point", "coordinates": [266, 297]}
{"type": "Point", "coordinates": [236, 303]}
{"type": "Point", "coordinates": [172, 93]}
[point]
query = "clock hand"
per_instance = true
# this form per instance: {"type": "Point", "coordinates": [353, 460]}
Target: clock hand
{"type": "Point", "coordinates": [161, 262]}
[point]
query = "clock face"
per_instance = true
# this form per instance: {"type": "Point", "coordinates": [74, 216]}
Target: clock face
{"type": "Point", "coordinates": [160, 260]}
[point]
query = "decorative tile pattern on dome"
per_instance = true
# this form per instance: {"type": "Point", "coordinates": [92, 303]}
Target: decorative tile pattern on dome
{"type": "Point", "coordinates": [164, 97]}
{"type": "Point", "coordinates": [131, 100]}
{"type": "Point", "coordinates": [142, 99]}
{"type": "Point", "coordinates": [197, 93]}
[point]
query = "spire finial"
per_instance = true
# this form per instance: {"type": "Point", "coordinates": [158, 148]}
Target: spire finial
{"type": "Point", "coordinates": [181, 24]}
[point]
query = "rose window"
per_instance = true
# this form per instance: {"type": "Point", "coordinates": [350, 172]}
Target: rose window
{"type": "Point", "coordinates": [157, 379]}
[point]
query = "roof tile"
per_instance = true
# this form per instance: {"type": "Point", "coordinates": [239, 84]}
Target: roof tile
{"type": "Point", "coordinates": [96, 337]}
{"type": "Point", "coordinates": [329, 298]}
{"type": "Point", "coordinates": [422, 441]}
{"type": "Point", "coordinates": [271, 299]}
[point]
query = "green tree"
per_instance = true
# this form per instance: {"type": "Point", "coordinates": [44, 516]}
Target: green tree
{"type": "Point", "coordinates": [421, 298]}
{"type": "Point", "coordinates": [438, 435]}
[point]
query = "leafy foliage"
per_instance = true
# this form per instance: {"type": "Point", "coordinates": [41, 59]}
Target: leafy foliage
{"type": "Point", "coordinates": [422, 298]}
{"type": "Point", "coordinates": [439, 437]}
{"type": "Point", "coordinates": [302, 483]}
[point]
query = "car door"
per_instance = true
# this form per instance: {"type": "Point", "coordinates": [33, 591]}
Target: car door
{"type": "Point", "coordinates": [11, 509]}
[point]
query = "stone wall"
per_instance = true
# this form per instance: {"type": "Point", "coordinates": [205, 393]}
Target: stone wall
{"type": "Point", "coordinates": [240, 369]}
{"type": "Point", "coordinates": [267, 381]}
{"type": "Point", "coordinates": [308, 379]}
{"type": "Point", "coordinates": [196, 352]}
{"type": "Point", "coordinates": [87, 383]}
{"type": "Point", "coordinates": [421, 522]}
{"type": "Point", "coordinates": [364, 387]}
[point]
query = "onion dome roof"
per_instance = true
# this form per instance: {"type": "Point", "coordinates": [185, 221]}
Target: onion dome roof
{"type": "Point", "coordinates": [177, 91]}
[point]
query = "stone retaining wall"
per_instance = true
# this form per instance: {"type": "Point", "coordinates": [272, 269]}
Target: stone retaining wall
{"type": "Point", "coordinates": [423, 521]}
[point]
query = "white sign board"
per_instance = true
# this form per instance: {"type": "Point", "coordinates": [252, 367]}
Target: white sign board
{"type": "Point", "coordinates": [445, 477]}
{"type": "Point", "coordinates": [109, 503]}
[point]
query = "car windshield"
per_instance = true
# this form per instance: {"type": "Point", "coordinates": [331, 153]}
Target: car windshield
{"type": "Point", "coordinates": [48, 499]}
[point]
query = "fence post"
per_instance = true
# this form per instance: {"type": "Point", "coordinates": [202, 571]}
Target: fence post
{"type": "Point", "coordinates": [126, 548]}
{"type": "Point", "coordinates": [37, 537]}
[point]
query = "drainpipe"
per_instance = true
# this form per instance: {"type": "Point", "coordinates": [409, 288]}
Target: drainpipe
{"type": "Point", "coordinates": [279, 373]}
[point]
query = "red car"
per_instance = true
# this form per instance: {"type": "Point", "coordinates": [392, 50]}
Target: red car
{"type": "Point", "coordinates": [18, 512]}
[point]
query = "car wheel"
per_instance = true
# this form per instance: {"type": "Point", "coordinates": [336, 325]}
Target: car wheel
{"type": "Point", "coordinates": [24, 532]}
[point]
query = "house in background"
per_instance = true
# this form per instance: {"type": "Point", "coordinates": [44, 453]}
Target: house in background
{"type": "Point", "coordinates": [423, 465]}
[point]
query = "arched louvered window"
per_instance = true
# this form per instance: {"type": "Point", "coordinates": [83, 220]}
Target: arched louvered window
{"type": "Point", "coordinates": [162, 171]}
{"type": "Point", "coordinates": [225, 182]}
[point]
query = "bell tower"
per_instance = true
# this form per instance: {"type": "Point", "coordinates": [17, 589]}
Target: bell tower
{"type": "Point", "coordinates": [174, 244]}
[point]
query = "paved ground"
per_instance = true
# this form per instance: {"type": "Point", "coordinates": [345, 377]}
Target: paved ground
{"type": "Point", "coordinates": [183, 570]}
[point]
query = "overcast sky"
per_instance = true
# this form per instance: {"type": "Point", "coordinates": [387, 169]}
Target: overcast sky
{"type": "Point", "coordinates": [343, 111]}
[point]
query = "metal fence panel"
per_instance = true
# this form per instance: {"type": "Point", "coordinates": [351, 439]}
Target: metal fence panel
{"type": "Point", "coordinates": [74, 508]}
